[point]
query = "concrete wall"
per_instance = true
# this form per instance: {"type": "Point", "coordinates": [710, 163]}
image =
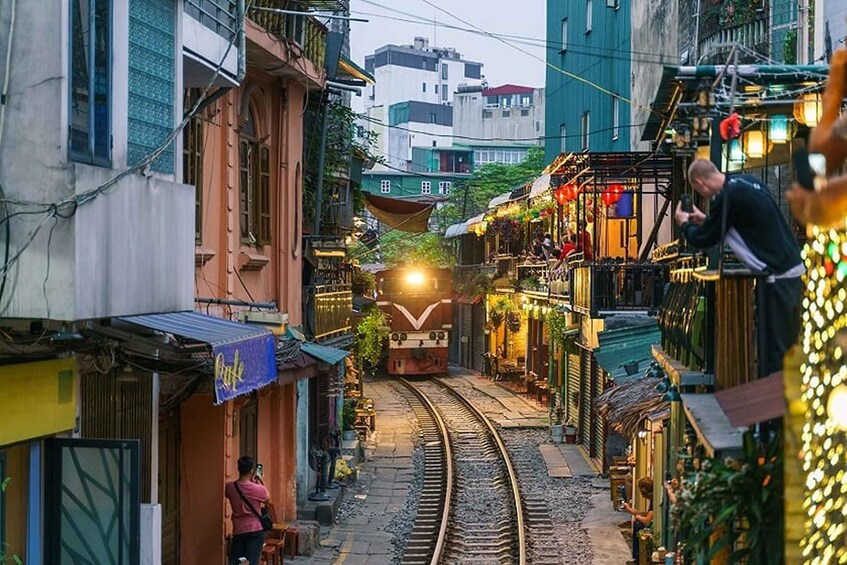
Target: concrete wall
{"type": "Point", "coordinates": [306, 479]}
{"type": "Point", "coordinates": [401, 141]}
{"type": "Point", "coordinates": [122, 253]}
{"type": "Point", "coordinates": [830, 16]}
{"type": "Point", "coordinates": [655, 28]}
{"type": "Point", "coordinates": [470, 121]}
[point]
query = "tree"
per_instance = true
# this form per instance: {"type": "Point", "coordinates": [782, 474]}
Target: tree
{"type": "Point", "coordinates": [398, 247]}
{"type": "Point", "coordinates": [472, 196]}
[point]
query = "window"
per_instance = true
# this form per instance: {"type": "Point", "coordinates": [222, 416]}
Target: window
{"type": "Point", "coordinates": [585, 130]}
{"type": "Point", "coordinates": [589, 14]}
{"type": "Point", "coordinates": [444, 187]}
{"type": "Point", "coordinates": [616, 117]}
{"type": "Point", "coordinates": [436, 89]}
{"type": "Point", "coordinates": [563, 138]}
{"type": "Point", "coordinates": [385, 186]}
{"type": "Point", "coordinates": [613, 4]}
{"type": "Point", "coordinates": [192, 166]}
{"type": "Point", "coordinates": [423, 86]}
{"type": "Point", "coordinates": [426, 187]}
{"type": "Point", "coordinates": [254, 186]}
{"type": "Point", "coordinates": [564, 34]}
{"type": "Point", "coordinates": [444, 93]}
{"type": "Point", "coordinates": [432, 117]}
{"type": "Point", "coordinates": [487, 114]}
{"type": "Point", "coordinates": [444, 70]}
{"type": "Point", "coordinates": [91, 82]}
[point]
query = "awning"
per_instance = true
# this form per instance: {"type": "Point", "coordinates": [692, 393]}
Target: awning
{"type": "Point", "coordinates": [539, 186]}
{"type": "Point", "coordinates": [475, 220]}
{"type": "Point", "coordinates": [754, 402]}
{"type": "Point", "coordinates": [348, 67]}
{"type": "Point", "coordinates": [456, 230]}
{"type": "Point", "coordinates": [467, 298]}
{"type": "Point", "coordinates": [630, 345]}
{"type": "Point", "coordinates": [625, 406]}
{"type": "Point", "coordinates": [402, 215]}
{"type": "Point", "coordinates": [329, 355]}
{"type": "Point", "coordinates": [243, 353]}
{"type": "Point", "coordinates": [499, 200]}
{"type": "Point", "coordinates": [714, 430]}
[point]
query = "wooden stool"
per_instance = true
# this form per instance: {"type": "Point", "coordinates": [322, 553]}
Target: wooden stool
{"type": "Point", "coordinates": [292, 540]}
{"type": "Point", "coordinates": [271, 552]}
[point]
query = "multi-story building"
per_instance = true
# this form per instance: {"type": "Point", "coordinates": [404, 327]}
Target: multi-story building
{"type": "Point", "coordinates": [498, 124]}
{"type": "Point", "coordinates": [123, 224]}
{"type": "Point", "coordinates": [411, 81]}
{"type": "Point", "coordinates": [593, 40]}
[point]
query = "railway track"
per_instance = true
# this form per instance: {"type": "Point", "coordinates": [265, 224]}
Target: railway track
{"type": "Point", "coordinates": [470, 489]}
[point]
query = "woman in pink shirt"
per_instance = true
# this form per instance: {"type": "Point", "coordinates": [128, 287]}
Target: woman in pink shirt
{"type": "Point", "coordinates": [248, 535]}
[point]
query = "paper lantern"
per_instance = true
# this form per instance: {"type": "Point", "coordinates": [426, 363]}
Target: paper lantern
{"type": "Point", "coordinates": [754, 144]}
{"type": "Point", "coordinates": [561, 194]}
{"type": "Point", "coordinates": [616, 190]}
{"type": "Point", "coordinates": [736, 155]}
{"type": "Point", "coordinates": [808, 110]}
{"type": "Point", "coordinates": [778, 130]}
{"type": "Point", "coordinates": [730, 127]}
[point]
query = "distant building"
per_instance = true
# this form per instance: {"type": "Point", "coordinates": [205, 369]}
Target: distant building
{"type": "Point", "coordinates": [498, 124]}
{"type": "Point", "coordinates": [410, 104]}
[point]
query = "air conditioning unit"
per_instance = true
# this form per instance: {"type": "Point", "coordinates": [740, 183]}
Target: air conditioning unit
{"type": "Point", "coordinates": [276, 322]}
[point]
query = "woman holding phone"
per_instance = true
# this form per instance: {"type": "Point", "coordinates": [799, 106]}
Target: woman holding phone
{"type": "Point", "coordinates": [246, 497]}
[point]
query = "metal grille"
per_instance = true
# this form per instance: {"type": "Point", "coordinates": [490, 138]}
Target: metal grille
{"type": "Point", "coordinates": [598, 423]}
{"type": "Point", "coordinates": [478, 337]}
{"type": "Point", "coordinates": [152, 27]}
{"type": "Point", "coordinates": [585, 398]}
{"type": "Point", "coordinates": [573, 388]}
{"type": "Point", "coordinates": [467, 332]}
{"type": "Point", "coordinates": [217, 15]}
{"type": "Point", "coordinates": [119, 405]}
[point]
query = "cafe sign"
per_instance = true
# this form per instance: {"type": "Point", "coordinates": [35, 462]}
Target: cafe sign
{"type": "Point", "coordinates": [243, 366]}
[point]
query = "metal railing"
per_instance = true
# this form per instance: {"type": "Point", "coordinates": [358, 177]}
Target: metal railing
{"type": "Point", "coordinates": [332, 308]}
{"type": "Point", "coordinates": [217, 15]}
{"type": "Point", "coordinates": [305, 30]}
{"type": "Point", "coordinates": [609, 287]}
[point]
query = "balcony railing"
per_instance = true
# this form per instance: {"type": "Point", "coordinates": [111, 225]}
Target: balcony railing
{"type": "Point", "coordinates": [610, 287]}
{"type": "Point", "coordinates": [332, 306]}
{"type": "Point", "coordinates": [217, 15]}
{"type": "Point", "coordinates": [708, 321]}
{"type": "Point", "coordinates": [305, 30]}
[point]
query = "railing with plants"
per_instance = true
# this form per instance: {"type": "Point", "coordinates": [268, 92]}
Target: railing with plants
{"type": "Point", "coordinates": [613, 286]}
{"type": "Point", "coordinates": [305, 30]}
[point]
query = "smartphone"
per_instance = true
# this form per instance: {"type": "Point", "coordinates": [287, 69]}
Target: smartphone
{"type": "Point", "coordinates": [808, 166]}
{"type": "Point", "coordinates": [687, 205]}
{"type": "Point", "coordinates": [260, 470]}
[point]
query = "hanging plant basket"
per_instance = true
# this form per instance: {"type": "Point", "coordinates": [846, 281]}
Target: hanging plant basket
{"type": "Point", "coordinates": [513, 322]}
{"type": "Point", "coordinates": [497, 318]}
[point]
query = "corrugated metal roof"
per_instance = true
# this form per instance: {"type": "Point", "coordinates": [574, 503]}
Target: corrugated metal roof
{"type": "Point", "coordinates": [329, 355]}
{"type": "Point", "coordinates": [625, 344]}
{"type": "Point", "coordinates": [498, 200]}
{"type": "Point", "coordinates": [714, 430]}
{"type": "Point", "coordinates": [199, 327]}
{"type": "Point", "coordinates": [507, 89]}
{"type": "Point", "coordinates": [456, 230]}
{"type": "Point", "coordinates": [754, 402]}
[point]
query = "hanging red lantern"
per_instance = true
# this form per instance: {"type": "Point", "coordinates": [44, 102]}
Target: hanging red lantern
{"type": "Point", "coordinates": [607, 197]}
{"type": "Point", "coordinates": [561, 194]}
{"type": "Point", "coordinates": [617, 191]}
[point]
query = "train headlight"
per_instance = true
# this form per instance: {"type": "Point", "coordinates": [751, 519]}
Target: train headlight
{"type": "Point", "coordinates": [441, 335]}
{"type": "Point", "coordinates": [415, 278]}
{"type": "Point", "coordinates": [431, 335]}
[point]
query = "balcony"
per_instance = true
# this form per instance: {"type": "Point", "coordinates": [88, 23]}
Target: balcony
{"type": "Point", "coordinates": [708, 320]}
{"type": "Point", "coordinates": [208, 27]}
{"type": "Point", "coordinates": [749, 29]}
{"type": "Point", "coordinates": [329, 308]}
{"type": "Point", "coordinates": [605, 287]}
{"type": "Point", "coordinates": [304, 31]}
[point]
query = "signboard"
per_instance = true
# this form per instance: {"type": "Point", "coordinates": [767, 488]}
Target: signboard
{"type": "Point", "coordinates": [243, 366]}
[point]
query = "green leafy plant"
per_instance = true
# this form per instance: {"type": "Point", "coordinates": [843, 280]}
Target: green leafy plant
{"type": "Point", "coordinates": [364, 283]}
{"type": "Point", "coordinates": [372, 333]}
{"type": "Point", "coordinates": [348, 414]}
{"type": "Point", "coordinates": [473, 282]}
{"type": "Point", "coordinates": [557, 325]}
{"type": "Point", "coordinates": [6, 557]}
{"type": "Point", "coordinates": [735, 507]}
{"type": "Point", "coordinates": [513, 321]}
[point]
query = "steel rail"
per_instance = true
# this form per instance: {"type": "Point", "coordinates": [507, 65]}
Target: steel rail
{"type": "Point", "coordinates": [513, 477]}
{"type": "Point", "coordinates": [448, 475]}
{"type": "Point", "coordinates": [504, 455]}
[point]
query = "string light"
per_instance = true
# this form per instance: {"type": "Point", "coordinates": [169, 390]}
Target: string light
{"type": "Point", "coordinates": [825, 397]}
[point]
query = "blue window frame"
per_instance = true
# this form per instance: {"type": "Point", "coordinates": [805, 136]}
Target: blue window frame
{"type": "Point", "coordinates": [90, 120]}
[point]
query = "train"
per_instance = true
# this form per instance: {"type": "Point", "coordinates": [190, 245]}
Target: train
{"type": "Point", "coordinates": [418, 303]}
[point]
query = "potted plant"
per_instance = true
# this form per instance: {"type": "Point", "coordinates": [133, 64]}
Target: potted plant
{"type": "Point", "coordinates": [348, 419]}
{"type": "Point", "coordinates": [570, 432]}
{"type": "Point", "coordinates": [364, 283]}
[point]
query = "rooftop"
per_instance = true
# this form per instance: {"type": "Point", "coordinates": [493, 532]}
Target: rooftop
{"type": "Point", "coordinates": [508, 89]}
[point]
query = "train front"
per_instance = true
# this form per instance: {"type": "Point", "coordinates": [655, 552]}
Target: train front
{"type": "Point", "coordinates": [418, 303]}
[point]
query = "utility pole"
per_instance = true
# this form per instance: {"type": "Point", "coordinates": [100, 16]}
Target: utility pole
{"type": "Point", "coordinates": [802, 32]}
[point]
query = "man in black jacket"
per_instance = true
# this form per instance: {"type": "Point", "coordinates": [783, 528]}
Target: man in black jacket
{"type": "Point", "coordinates": [743, 212]}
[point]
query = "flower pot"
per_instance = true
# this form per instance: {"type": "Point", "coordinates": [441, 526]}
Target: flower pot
{"type": "Point", "coordinates": [570, 434]}
{"type": "Point", "coordinates": [557, 433]}
{"type": "Point", "coordinates": [349, 435]}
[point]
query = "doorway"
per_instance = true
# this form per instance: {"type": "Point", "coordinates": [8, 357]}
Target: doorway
{"type": "Point", "coordinates": [169, 458]}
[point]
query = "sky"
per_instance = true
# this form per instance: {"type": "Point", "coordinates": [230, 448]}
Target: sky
{"type": "Point", "coordinates": [501, 63]}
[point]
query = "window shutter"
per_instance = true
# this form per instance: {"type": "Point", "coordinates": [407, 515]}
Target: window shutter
{"type": "Point", "coordinates": [244, 188]}
{"type": "Point", "coordinates": [263, 196]}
